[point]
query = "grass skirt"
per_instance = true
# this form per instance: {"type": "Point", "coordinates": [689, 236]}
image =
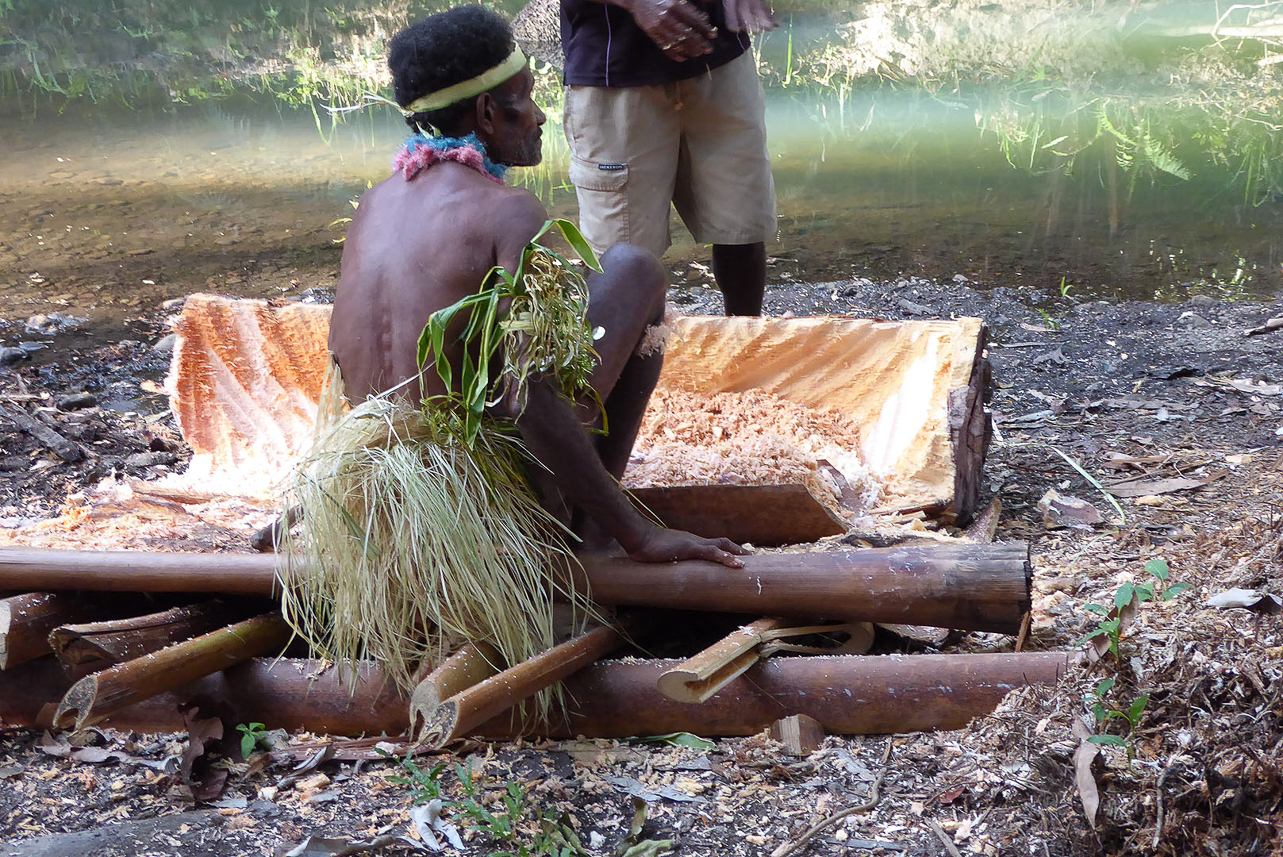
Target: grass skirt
{"type": "Point", "coordinates": [412, 541]}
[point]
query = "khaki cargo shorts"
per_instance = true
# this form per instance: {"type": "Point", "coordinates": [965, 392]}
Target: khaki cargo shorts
{"type": "Point", "coordinates": [699, 144]}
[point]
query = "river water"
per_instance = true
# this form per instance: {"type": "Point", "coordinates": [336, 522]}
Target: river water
{"type": "Point", "coordinates": [107, 212]}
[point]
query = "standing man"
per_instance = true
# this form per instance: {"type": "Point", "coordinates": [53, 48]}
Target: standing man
{"type": "Point", "coordinates": [664, 106]}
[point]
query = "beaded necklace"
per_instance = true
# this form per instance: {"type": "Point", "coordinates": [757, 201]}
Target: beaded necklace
{"type": "Point", "coordinates": [422, 151]}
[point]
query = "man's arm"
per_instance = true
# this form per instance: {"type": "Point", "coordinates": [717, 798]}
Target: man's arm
{"type": "Point", "coordinates": [683, 31]}
{"type": "Point", "coordinates": [553, 433]}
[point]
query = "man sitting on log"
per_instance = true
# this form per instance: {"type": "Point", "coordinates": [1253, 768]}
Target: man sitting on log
{"type": "Point", "coordinates": [450, 328]}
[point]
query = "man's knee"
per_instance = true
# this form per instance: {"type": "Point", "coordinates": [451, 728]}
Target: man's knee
{"type": "Point", "coordinates": [637, 267]}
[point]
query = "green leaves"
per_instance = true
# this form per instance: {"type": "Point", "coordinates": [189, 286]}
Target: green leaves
{"type": "Point", "coordinates": [251, 734]}
{"type": "Point", "coordinates": [679, 739]}
{"type": "Point", "coordinates": [1127, 597]}
{"type": "Point", "coordinates": [543, 329]}
{"type": "Point", "coordinates": [1104, 712]}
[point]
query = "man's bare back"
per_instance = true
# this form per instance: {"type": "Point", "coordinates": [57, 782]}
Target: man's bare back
{"type": "Point", "coordinates": [413, 248]}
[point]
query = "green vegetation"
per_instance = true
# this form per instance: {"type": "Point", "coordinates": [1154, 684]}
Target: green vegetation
{"type": "Point", "coordinates": [1127, 597]}
{"type": "Point", "coordinates": [513, 824]}
{"type": "Point", "coordinates": [1104, 711]}
{"type": "Point", "coordinates": [1058, 87]}
{"type": "Point", "coordinates": [252, 735]}
{"type": "Point", "coordinates": [1111, 626]}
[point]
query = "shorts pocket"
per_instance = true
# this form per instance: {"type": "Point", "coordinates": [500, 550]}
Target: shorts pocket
{"type": "Point", "coordinates": [593, 175]}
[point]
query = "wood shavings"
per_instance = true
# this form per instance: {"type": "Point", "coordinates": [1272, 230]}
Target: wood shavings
{"type": "Point", "coordinates": [750, 438]}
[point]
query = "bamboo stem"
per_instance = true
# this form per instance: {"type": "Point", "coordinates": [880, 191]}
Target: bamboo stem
{"type": "Point", "coordinates": [102, 694]}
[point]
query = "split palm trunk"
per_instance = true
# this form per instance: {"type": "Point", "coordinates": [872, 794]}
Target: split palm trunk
{"type": "Point", "coordinates": [98, 696]}
{"type": "Point", "coordinates": [461, 714]}
{"type": "Point", "coordinates": [26, 621]}
{"type": "Point", "coordinates": [95, 645]}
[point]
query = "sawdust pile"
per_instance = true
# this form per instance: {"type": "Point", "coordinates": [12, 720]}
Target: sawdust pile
{"type": "Point", "coordinates": [751, 438]}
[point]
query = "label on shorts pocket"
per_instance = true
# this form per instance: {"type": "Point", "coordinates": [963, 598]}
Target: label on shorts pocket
{"type": "Point", "coordinates": [594, 175]}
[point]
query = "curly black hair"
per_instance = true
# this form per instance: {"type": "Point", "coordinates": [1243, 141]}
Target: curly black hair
{"type": "Point", "coordinates": [442, 50]}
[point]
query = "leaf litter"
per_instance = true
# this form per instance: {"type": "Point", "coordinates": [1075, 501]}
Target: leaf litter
{"type": "Point", "coordinates": [1203, 776]}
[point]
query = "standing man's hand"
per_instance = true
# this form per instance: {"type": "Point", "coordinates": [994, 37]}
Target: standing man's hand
{"type": "Point", "coordinates": [681, 30]}
{"type": "Point", "coordinates": [748, 16]}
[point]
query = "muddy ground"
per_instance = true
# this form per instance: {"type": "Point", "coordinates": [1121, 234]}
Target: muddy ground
{"type": "Point", "coordinates": [1128, 392]}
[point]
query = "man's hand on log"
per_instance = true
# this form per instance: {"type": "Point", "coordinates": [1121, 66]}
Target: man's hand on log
{"type": "Point", "coordinates": [665, 545]}
{"type": "Point", "coordinates": [748, 16]}
{"type": "Point", "coordinates": [681, 30]}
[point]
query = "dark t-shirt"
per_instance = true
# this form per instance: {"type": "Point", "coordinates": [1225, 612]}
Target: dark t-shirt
{"type": "Point", "coordinates": [603, 46]}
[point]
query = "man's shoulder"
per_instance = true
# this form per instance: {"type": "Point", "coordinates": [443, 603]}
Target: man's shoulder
{"type": "Point", "coordinates": [508, 203]}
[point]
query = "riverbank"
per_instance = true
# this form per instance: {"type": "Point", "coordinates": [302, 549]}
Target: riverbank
{"type": "Point", "coordinates": [1175, 397]}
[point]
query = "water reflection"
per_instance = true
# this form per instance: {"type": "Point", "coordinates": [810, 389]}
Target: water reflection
{"type": "Point", "coordinates": [1032, 181]}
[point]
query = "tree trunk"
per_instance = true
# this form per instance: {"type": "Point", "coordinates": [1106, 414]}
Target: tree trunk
{"type": "Point", "coordinates": [847, 695]}
{"type": "Point", "coordinates": [26, 620]}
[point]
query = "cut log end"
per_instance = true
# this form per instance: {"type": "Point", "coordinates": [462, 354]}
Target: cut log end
{"type": "Point", "coordinates": [439, 729]}
{"type": "Point", "coordinates": [76, 709]}
{"type": "Point", "coordinates": [682, 685]}
{"type": "Point", "coordinates": [6, 623]}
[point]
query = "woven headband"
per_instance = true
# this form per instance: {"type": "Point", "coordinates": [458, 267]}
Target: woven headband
{"type": "Point", "coordinates": [473, 86]}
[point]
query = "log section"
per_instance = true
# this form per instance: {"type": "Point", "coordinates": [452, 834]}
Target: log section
{"type": "Point", "coordinates": [847, 695]}
{"type": "Point", "coordinates": [969, 587]}
{"type": "Point", "coordinates": [102, 694]}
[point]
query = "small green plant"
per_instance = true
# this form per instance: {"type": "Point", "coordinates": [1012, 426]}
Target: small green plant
{"type": "Point", "coordinates": [1128, 595]}
{"type": "Point", "coordinates": [425, 786]}
{"type": "Point", "coordinates": [252, 735]}
{"type": "Point", "coordinates": [1047, 319]}
{"type": "Point", "coordinates": [555, 836]}
{"type": "Point", "coordinates": [1105, 711]}
{"type": "Point", "coordinates": [1065, 288]}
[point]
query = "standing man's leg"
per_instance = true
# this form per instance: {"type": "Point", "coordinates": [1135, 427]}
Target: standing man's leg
{"type": "Point", "coordinates": [740, 272]}
{"type": "Point", "coordinates": [724, 190]}
{"type": "Point", "coordinates": [624, 144]}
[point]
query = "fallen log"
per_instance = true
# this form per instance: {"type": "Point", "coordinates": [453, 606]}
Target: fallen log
{"type": "Point", "coordinates": [26, 620]}
{"type": "Point", "coordinates": [138, 571]}
{"type": "Point", "coordinates": [458, 716]}
{"type": "Point", "coordinates": [67, 450]}
{"type": "Point", "coordinates": [283, 693]}
{"type": "Point", "coordinates": [95, 645]}
{"type": "Point", "coordinates": [100, 695]}
{"type": "Point", "coordinates": [846, 694]}
{"type": "Point", "coordinates": [964, 586]}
